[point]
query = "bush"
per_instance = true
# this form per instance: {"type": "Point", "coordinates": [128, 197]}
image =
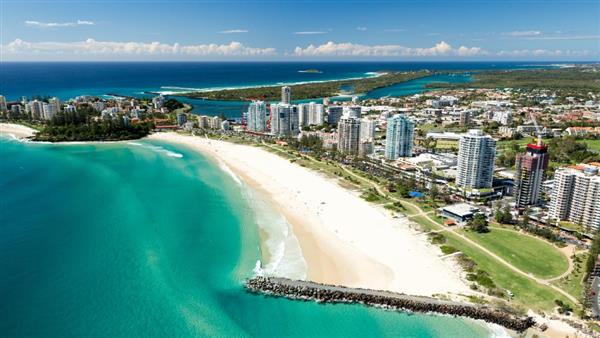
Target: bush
{"type": "Point", "coordinates": [447, 249]}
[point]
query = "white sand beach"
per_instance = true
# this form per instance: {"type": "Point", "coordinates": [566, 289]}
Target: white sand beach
{"type": "Point", "coordinates": [16, 130]}
{"type": "Point", "coordinates": [344, 239]}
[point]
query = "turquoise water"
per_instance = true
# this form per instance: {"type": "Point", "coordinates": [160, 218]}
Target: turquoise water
{"type": "Point", "coordinates": [148, 239]}
{"type": "Point", "coordinates": [417, 86]}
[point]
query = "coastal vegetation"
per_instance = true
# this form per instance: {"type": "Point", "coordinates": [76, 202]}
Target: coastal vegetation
{"type": "Point", "coordinates": [526, 252]}
{"type": "Point", "coordinates": [311, 90]}
{"type": "Point", "coordinates": [84, 124]}
{"type": "Point", "coordinates": [575, 78]}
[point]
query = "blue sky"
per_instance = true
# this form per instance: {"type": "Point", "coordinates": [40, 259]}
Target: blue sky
{"type": "Point", "coordinates": [307, 30]}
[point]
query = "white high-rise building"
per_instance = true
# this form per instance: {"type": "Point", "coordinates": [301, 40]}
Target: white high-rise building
{"type": "Point", "coordinates": [367, 129]}
{"type": "Point", "coordinates": [50, 110]}
{"type": "Point", "coordinates": [576, 196]}
{"type": "Point", "coordinates": [215, 122]}
{"type": "Point", "coordinates": [284, 120]}
{"type": "Point", "coordinates": [3, 107]}
{"type": "Point", "coordinates": [203, 122]}
{"type": "Point", "coordinates": [303, 112]}
{"type": "Point", "coordinates": [257, 116]}
{"type": "Point", "coordinates": [399, 137]}
{"type": "Point", "coordinates": [348, 135]}
{"type": "Point", "coordinates": [36, 109]}
{"type": "Point", "coordinates": [315, 114]}
{"type": "Point", "coordinates": [476, 159]}
{"type": "Point", "coordinates": [56, 102]}
{"type": "Point", "coordinates": [286, 95]}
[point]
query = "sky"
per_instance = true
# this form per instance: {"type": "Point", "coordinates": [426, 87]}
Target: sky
{"type": "Point", "coordinates": [200, 30]}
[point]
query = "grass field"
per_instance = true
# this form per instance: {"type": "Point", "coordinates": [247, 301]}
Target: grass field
{"type": "Point", "coordinates": [573, 283]}
{"type": "Point", "coordinates": [593, 144]}
{"type": "Point", "coordinates": [527, 253]}
{"type": "Point", "coordinates": [527, 293]}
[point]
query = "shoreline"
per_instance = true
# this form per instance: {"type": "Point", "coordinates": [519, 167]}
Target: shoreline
{"type": "Point", "coordinates": [344, 239]}
{"type": "Point", "coordinates": [17, 131]}
{"type": "Point", "coordinates": [185, 93]}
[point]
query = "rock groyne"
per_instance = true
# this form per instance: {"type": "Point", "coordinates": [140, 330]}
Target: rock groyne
{"type": "Point", "coordinates": [304, 290]}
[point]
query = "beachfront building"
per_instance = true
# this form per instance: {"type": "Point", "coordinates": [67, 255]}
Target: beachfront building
{"type": "Point", "coordinates": [367, 129]}
{"type": "Point", "coordinates": [215, 122]}
{"type": "Point", "coordinates": [310, 114]}
{"type": "Point", "coordinates": [576, 196]}
{"type": "Point", "coordinates": [181, 119]}
{"type": "Point", "coordinates": [257, 116]}
{"type": "Point", "coordinates": [315, 114]}
{"type": "Point", "coordinates": [334, 113]}
{"type": "Point", "coordinates": [476, 159]}
{"type": "Point", "coordinates": [399, 137]}
{"type": "Point", "coordinates": [3, 107]}
{"type": "Point", "coordinates": [303, 114]}
{"type": "Point", "coordinates": [56, 102]}
{"type": "Point", "coordinates": [36, 109]}
{"type": "Point", "coordinates": [348, 135]}
{"type": "Point", "coordinates": [460, 213]}
{"type": "Point", "coordinates": [203, 122]}
{"type": "Point", "coordinates": [225, 125]}
{"type": "Point", "coordinates": [284, 120]}
{"type": "Point", "coordinates": [286, 95]}
{"type": "Point", "coordinates": [49, 110]}
{"type": "Point", "coordinates": [530, 168]}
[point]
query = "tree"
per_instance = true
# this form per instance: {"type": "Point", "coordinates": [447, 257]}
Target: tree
{"type": "Point", "coordinates": [433, 192]}
{"type": "Point", "coordinates": [503, 215]}
{"type": "Point", "coordinates": [479, 223]}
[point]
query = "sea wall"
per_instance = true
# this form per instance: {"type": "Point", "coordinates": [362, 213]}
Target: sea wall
{"type": "Point", "coordinates": [304, 290]}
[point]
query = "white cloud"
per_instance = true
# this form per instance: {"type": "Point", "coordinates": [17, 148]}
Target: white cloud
{"type": "Point", "coordinates": [361, 29]}
{"type": "Point", "coordinates": [394, 30]}
{"type": "Point", "coordinates": [351, 49]}
{"type": "Point", "coordinates": [93, 47]}
{"type": "Point", "coordinates": [523, 33]}
{"type": "Point", "coordinates": [309, 33]}
{"type": "Point", "coordinates": [543, 53]}
{"type": "Point", "coordinates": [38, 24]}
{"type": "Point", "coordinates": [234, 31]}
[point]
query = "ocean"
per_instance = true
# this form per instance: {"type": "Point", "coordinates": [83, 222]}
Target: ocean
{"type": "Point", "coordinates": [149, 239]}
{"type": "Point", "coordinates": [70, 79]}
{"type": "Point", "coordinates": [145, 239]}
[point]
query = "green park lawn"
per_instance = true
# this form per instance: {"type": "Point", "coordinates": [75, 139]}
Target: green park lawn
{"type": "Point", "coordinates": [527, 253]}
{"type": "Point", "coordinates": [527, 293]}
{"type": "Point", "coordinates": [593, 144]}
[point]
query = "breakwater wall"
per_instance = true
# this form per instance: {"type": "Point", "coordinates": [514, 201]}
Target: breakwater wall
{"type": "Point", "coordinates": [304, 290]}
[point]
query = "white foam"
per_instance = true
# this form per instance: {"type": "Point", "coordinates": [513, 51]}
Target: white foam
{"type": "Point", "coordinates": [285, 255]}
{"type": "Point", "coordinates": [226, 169]}
{"type": "Point", "coordinates": [157, 149]}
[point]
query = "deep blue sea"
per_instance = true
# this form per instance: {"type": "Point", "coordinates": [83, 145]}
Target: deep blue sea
{"type": "Point", "coordinates": [145, 239]}
{"type": "Point", "coordinates": [69, 79]}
